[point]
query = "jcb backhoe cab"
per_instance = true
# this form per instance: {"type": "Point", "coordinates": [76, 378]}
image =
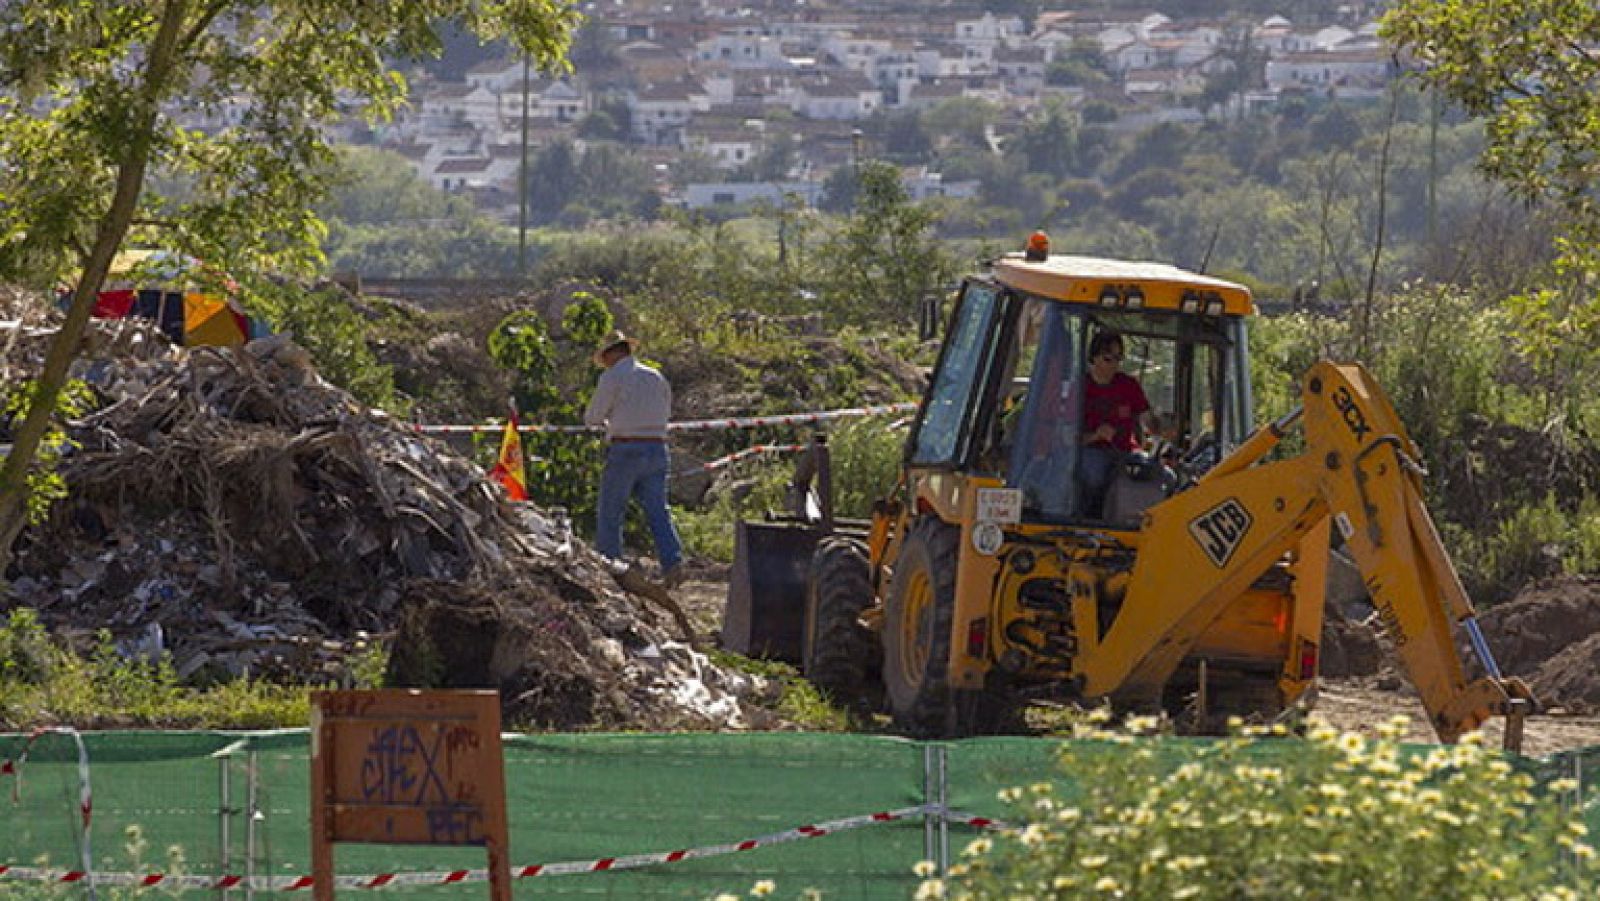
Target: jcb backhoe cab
{"type": "Point", "coordinates": [1190, 579]}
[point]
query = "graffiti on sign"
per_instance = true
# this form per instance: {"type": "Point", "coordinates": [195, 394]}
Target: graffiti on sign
{"type": "Point", "coordinates": [408, 767]}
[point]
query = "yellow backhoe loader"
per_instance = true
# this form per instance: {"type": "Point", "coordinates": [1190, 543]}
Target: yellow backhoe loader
{"type": "Point", "coordinates": [1192, 580]}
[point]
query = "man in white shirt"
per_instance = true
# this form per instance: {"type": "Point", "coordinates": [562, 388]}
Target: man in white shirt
{"type": "Point", "coordinates": [633, 402]}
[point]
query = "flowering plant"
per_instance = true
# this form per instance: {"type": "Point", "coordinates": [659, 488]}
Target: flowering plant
{"type": "Point", "coordinates": [1340, 817]}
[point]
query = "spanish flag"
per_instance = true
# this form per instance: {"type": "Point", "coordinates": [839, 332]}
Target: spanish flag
{"type": "Point", "coordinates": [508, 469]}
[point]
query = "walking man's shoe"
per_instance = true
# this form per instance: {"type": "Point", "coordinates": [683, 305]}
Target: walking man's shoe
{"type": "Point", "coordinates": [672, 576]}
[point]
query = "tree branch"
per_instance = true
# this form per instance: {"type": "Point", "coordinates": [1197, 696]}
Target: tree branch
{"type": "Point", "coordinates": [201, 24]}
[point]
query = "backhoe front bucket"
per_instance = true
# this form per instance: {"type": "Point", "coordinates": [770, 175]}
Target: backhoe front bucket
{"type": "Point", "coordinates": [766, 610]}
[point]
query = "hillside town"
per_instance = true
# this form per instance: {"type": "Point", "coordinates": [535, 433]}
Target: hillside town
{"type": "Point", "coordinates": [729, 83]}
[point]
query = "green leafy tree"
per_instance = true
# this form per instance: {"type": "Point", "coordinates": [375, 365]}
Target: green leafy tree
{"type": "Point", "coordinates": [598, 125]}
{"type": "Point", "coordinates": [466, 247]}
{"type": "Point", "coordinates": [1048, 142]}
{"type": "Point", "coordinates": [335, 336]}
{"type": "Point", "coordinates": [1530, 70]}
{"type": "Point", "coordinates": [1081, 64]}
{"type": "Point", "coordinates": [963, 121]}
{"type": "Point", "coordinates": [378, 186]}
{"type": "Point", "coordinates": [98, 103]}
{"type": "Point", "coordinates": [1244, 67]}
{"type": "Point", "coordinates": [593, 46]}
{"type": "Point", "coordinates": [552, 379]}
{"type": "Point", "coordinates": [552, 181]}
{"type": "Point", "coordinates": [905, 140]}
{"type": "Point", "coordinates": [886, 259]}
{"type": "Point", "coordinates": [45, 485]}
{"type": "Point", "coordinates": [521, 344]}
{"type": "Point", "coordinates": [775, 158]}
{"type": "Point", "coordinates": [839, 190]}
{"type": "Point", "coordinates": [613, 180]}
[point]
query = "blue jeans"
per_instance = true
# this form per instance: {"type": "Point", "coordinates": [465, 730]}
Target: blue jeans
{"type": "Point", "coordinates": [636, 470]}
{"type": "Point", "coordinates": [1095, 468]}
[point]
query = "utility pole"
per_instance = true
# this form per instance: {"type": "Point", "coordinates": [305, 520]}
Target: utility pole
{"type": "Point", "coordinates": [855, 168]}
{"type": "Point", "coordinates": [1433, 163]}
{"type": "Point", "coordinates": [522, 179]}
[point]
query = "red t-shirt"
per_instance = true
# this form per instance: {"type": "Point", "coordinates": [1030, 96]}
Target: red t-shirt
{"type": "Point", "coordinates": [1119, 402]}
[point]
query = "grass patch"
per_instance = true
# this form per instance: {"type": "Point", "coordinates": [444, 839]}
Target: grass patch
{"type": "Point", "coordinates": [799, 701]}
{"type": "Point", "coordinates": [43, 682]}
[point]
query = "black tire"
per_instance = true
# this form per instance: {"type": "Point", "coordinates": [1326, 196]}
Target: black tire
{"type": "Point", "coordinates": [917, 626]}
{"type": "Point", "coordinates": [838, 653]}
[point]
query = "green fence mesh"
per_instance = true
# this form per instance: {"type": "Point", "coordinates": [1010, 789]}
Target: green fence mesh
{"type": "Point", "coordinates": [233, 803]}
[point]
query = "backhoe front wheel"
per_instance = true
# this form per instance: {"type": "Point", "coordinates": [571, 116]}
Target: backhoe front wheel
{"type": "Point", "coordinates": [918, 618]}
{"type": "Point", "coordinates": [839, 653]}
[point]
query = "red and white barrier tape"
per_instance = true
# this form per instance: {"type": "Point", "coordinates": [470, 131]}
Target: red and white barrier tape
{"type": "Point", "coordinates": [977, 822]}
{"type": "Point", "coordinates": [382, 880]}
{"type": "Point", "coordinates": [13, 768]}
{"type": "Point", "coordinates": [687, 425]}
{"type": "Point", "coordinates": [748, 452]}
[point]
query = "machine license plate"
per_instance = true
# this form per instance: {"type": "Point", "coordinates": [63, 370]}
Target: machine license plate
{"type": "Point", "coordinates": [1001, 505]}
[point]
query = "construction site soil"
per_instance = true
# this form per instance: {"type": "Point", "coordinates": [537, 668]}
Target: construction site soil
{"type": "Point", "coordinates": [231, 511]}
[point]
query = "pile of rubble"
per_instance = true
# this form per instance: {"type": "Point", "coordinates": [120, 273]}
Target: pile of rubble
{"type": "Point", "coordinates": [232, 510]}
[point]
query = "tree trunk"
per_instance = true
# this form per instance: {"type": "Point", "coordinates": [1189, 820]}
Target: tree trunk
{"type": "Point", "coordinates": [1365, 338]}
{"type": "Point", "coordinates": [108, 238]}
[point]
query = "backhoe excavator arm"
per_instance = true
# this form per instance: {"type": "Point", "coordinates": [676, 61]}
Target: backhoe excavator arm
{"type": "Point", "coordinates": [1210, 542]}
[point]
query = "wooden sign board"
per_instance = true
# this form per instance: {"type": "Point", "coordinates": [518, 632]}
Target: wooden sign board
{"type": "Point", "coordinates": [407, 767]}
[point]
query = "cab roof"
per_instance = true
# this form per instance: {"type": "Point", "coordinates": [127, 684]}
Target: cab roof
{"type": "Point", "coordinates": [1123, 283]}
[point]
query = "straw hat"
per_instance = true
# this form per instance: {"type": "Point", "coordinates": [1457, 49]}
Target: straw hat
{"type": "Point", "coordinates": [612, 340]}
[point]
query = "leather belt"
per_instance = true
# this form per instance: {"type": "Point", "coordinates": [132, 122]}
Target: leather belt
{"type": "Point", "coordinates": [631, 439]}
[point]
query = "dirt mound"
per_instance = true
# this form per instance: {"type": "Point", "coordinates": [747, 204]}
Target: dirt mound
{"type": "Point", "coordinates": [1528, 631]}
{"type": "Point", "coordinates": [232, 511]}
{"type": "Point", "coordinates": [1571, 679]}
{"type": "Point", "coordinates": [1549, 634]}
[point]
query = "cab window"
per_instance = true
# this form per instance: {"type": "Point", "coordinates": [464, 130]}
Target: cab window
{"type": "Point", "coordinates": [1041, 417]}
{"type": "Point", "coordinates": [943, 433]}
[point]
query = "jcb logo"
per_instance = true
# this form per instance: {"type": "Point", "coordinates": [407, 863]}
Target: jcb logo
{"type": "Point", "coordinates": [1352, 413]}
{"type": "Point", "coordinates": [1220, 529]}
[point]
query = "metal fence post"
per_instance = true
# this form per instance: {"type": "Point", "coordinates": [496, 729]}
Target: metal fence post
{"type": "Point", "coordinates": [251, 813]}
{"type": "Point", "coordinates": [1577, 807]}
{"type": "Point", "coordinates": [944, 811]}
{"type": "Point", "coordinates": [224, 813]}
{"type": "Point", "coordinates": [929, 804]}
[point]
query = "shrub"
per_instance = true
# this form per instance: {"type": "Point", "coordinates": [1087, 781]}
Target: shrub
{"type": "Point", "coordinates": [26, 655]}
{"type": "Point", "coordinates": [865, 463]}
{"type": "Point", "coordinates": [1332, 816]}
{"type": "Point", "coordinates": [708, 532]}
{"type": "Point", "coordinates": [334, 333]}
{"type": "Point", "coordinates": [44, 481]}
{"type": "Point", "coordinates": [865, 458]}
{"type": "Point", "coordinates": [41, 682]}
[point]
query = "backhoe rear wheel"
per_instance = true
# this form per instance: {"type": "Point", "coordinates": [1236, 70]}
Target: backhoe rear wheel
{"type": "Point", "coordinates": [838, 653]}
{"type": "Point", "coordinates": [916, 631]}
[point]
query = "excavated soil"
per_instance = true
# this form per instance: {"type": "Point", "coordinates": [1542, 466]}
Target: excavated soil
{"type": "Point", "coordinates": [1549, 635]}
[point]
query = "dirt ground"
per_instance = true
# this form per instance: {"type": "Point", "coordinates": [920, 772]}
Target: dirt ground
{"type": "Point", "coordinates": [1351, 705]}
{"type": "Point", "coordinates": [1355, 703]}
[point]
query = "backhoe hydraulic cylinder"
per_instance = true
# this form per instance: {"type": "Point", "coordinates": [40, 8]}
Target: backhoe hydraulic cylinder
{"type": "Point", "coordinates": [1257, 445]}
{"type": "Point", "coordinates": [1481, 647]}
